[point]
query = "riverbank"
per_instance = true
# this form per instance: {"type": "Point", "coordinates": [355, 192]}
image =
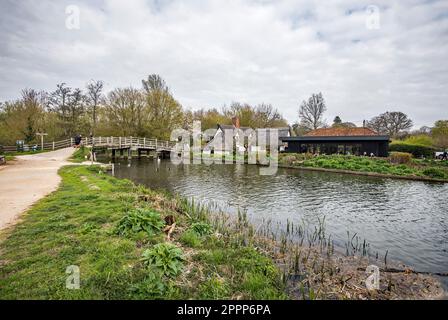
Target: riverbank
{"type": "Point", "coordinates": [114, 231]}
{"type": "Point", "coordinates": [134, 243]}
{"type": "Point", "coordinates": [377, 167]}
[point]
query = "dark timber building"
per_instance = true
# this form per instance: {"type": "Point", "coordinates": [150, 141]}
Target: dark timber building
{"type": "Point", "coordinates": [353, 141]}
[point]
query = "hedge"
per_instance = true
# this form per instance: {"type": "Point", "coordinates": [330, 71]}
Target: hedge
{"type": "Point", "coordinates": [415, 149]}
{"type": "Point", "coordinates": [400, 157]}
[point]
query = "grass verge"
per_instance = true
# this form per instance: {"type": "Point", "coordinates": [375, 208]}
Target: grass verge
{"type": "Point", "coordinates": [129, 243]}
{"type": "Point", "coordinates": [80, 155]}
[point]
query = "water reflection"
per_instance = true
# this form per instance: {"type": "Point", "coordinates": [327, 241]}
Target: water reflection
{"type": "Point", "coordinates": [405, 217]}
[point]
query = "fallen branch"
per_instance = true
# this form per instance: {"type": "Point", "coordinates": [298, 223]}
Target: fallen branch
{"type": "Point", "coordinates": [169, 230]}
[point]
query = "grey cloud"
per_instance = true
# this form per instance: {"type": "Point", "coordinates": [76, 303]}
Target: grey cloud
{"type": "Point", "coordinates": [215, 52]}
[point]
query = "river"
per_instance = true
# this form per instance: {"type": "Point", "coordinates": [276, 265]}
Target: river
{"type": "Point", "coordinates": [406, 218]}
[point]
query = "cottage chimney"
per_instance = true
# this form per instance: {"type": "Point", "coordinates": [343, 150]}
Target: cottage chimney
{"type": "Point", "coordinates": [236, 122]}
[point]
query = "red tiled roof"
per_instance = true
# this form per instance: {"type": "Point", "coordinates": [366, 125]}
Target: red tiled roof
{"type": "Point", "coordinates": [339, 132]}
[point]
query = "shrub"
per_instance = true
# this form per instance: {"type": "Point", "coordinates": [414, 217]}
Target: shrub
{"type": "Point", "coordinates": [140, 220]}
{"type": "Point", "coordinates": [416, 150]}
{"type": "Point", "coordinates": [191, 239]}
{"type": "Point", "coordinates": [288, 159]}
{"type": "Point", "coordinates": [165, 257]}
{"type": "Point", "coordinates": [400, 157]}
{"type": "Point", "coordinates": [435, 173]}
{"type": "Point", "coordinates": [201, 228]}
{"type": "Point", "coordinates": [422, 140]}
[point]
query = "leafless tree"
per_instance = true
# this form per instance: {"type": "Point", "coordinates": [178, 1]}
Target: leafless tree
{"type": "Point", "coordinates": [311, 112]}
{"type": "Point", "coordinates": [391, 123]}
{"type": "Point", "coordinates": [94, 98]}
{"type": "Point", "coordinates": [68, 104]}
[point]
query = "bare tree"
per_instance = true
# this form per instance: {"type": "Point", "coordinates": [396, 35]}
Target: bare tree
{"type": "Point", "coordinates": [266, 116]}
{"type": "Point", "coordinates": [311, 112]}
{"type": "Point", "coordinates": [154, 83]}
{"type": "Point", "coordinates": [68, 104]}
{"type": "Point", "coordinates": [391, 123]}
{"type": "Point", "coordinates": [94, 98]}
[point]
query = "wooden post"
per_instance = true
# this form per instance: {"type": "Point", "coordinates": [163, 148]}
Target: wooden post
{"type": "Point", "coordinates": [41, 139]}
{"type": "Point", "coordinates": [53, 145]}
{"type": "Point", "coordinates": [71, 142]}
{"type": "Point", "coordinates": [120, 141]}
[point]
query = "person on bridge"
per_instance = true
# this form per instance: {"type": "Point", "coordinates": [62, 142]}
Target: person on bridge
{"type": "Point", "coordinates": [78, 140]}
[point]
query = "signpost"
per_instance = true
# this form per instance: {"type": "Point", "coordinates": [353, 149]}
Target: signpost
{"type": "Point", "coordinates": [41, 139]}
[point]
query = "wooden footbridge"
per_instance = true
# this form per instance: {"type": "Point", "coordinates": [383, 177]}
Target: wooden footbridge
{"type": "Point", "coordinates": [123, 145]}
{"type": "Point", "coordinates": [126, 145]}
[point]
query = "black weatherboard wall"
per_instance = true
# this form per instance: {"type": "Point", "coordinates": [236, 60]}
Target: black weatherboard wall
{"type": "Point", "coordinates": [378, 145]}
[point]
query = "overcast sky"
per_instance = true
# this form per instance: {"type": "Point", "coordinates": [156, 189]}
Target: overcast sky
{"type": "Point", "coordinates": [214, 52]}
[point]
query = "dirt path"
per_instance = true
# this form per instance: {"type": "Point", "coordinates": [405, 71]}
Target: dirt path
{"type": "Point", "coordinates": [28, 179]}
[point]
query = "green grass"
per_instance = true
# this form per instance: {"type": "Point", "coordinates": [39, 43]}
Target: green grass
{"type": "Point", "coordinates": [76, 225]}
{"type": "Point", "coordinates": [364, 164]}
{"type": "Point", "coordinates": [80, 154]}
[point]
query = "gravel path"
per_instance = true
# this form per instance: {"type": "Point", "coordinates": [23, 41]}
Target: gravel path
{"type": "Point", "coordinates": [28, 179]}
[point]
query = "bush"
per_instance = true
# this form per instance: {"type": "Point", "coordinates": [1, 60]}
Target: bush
{"type": "Point", "coordinates": [165, 257]}
{"type": "Point", "coordinates": [422, 140]}
{"type": "Point", "coordinates": [416, 150]}
{"type": "Point", "coordinates": [201, 228]}
{"type": "Point", "coordinates": [140, 220]}
{"type": "Point", "coordinates": [400, 157]}
{"type": "Point", "coordinates": [435, 173]}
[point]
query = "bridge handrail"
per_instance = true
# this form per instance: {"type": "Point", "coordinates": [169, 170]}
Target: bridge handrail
{"type": "Point", "coordinates": [103, 141]}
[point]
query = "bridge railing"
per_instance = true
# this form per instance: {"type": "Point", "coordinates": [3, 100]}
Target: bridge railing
{"type": "Point", "coordinates": [112, 142]}
{"type": "Point", "coordinates": [129, 142]}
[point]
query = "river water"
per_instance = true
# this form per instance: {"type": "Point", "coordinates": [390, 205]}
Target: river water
{"type": "Point", "coordinates": [407, 218]}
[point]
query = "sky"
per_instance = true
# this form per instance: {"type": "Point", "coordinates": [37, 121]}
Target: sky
{"type": "Point", "coordinates": [366, 57]}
